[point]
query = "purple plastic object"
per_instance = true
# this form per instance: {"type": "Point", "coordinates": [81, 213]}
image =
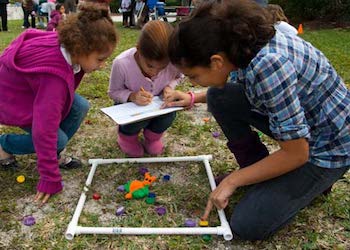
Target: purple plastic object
{"type": "Point", "coordinates": [121, 188]}
{"type": "Point", "coordinates": [120, 211]}
{"type": "Point", "coordinates": [216, 134]}
{"type": "Point", "coordinates": [143, 170]}
{"type": "Point", "coordinates": [160, 210]}
{"type": "Point", "coordinates": [28, 220]}
{"type": "Point", "coordinates": [190, 223]}
{"type": "Point", "coordinates": [166, 177]}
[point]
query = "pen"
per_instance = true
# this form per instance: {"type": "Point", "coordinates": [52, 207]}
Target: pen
{"type": "Point", "coordinates": [142, 89]}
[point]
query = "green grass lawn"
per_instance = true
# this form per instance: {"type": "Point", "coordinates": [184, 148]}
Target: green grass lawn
{"type": "Point", "coordinates": [325, 224]}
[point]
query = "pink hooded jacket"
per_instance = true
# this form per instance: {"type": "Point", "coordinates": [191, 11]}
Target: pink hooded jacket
{"type": "Point", "coordinates": [37, 88]}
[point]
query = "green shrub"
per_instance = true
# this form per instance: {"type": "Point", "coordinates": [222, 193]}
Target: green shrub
{"type": "Point", "coordinates": [315, 9]}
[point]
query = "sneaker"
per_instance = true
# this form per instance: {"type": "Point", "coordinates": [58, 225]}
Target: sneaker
{"type": "Point", "coordinates": [71, 163]}
{"type": "Point", "coordinates": [9, 163]}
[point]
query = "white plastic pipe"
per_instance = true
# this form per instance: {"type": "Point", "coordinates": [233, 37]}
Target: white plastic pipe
{"type": "Point", "coordinates": [155, 230]}
{"type": "Point", "coordinates": [73, 227]}
{"type": "Point", "coordinates": [224, 223]}
{"type": "Point", "coordinates": [151, 159]}
{"type": "Point", "coordinates": [73, 224]}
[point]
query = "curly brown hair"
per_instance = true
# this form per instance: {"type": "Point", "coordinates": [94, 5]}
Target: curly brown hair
{"type": "Point", "coordinates": [237, 28]}
{"type": "Point", "coordinates": [153, 41]}
{"type": "Point", "coordinates": [89, 30]}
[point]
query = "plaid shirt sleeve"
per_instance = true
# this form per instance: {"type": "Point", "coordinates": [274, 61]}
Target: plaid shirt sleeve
{"type": "Point", "coordinates": [274, 80]}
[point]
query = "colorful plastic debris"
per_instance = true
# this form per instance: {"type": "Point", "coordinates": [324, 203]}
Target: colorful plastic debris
{"type": "Point", "coordinates": [151, 198]}
{"type": "Point", "coordinates": [190, 223]}
{"type": "Point", "coordinates": [160, 210]}
{"type": "Point", "coordinates": [88, 122]}
{"type": "Point", "coordinates": [203, 223]}
{"type": "Point", "coordinates": [120, 211]}
{"type": "Point", "coordinates": [206, 119]}
{"type": "Point", "coordinates": [20, 178]}
{"type": "Point", "coordinates": [206, 237]}
{"type": "Point", "coordinates": [216, 134]}
{"type": "Point", "coordinates": [166, 178]}
{"type": "Point", "coordinates": [121, 188]}
{"type": "Point", "coordinates": [28, 220]}
{"type": "Point", "coordinates": [96, 196]}
{"type": "Point", "coordinates": [143, 170]}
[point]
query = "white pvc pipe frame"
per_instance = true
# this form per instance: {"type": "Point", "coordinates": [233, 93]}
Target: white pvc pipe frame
{"type": "Point", "coordinates": [74, 229]}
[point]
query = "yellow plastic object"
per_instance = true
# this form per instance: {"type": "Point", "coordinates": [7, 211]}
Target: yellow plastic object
{"type": "Point", "coordinates": [20, 178]}
{"type": "Point", "coordinates": [203, 223]}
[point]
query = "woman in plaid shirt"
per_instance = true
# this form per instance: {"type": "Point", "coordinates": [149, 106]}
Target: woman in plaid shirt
{"type": "Point", "coordinates": [279, 84]}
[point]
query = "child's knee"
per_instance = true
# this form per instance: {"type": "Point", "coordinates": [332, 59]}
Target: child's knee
{"type": "Point", "coordinates": [80, 105]}
{"type": "Point", "coordinates": [62, 141]}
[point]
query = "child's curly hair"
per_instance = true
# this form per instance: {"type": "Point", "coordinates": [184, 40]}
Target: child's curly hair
{"type": "Point", "coordinates": [237, 28]}
{"type": "Point", "coordinates": [89, 30]}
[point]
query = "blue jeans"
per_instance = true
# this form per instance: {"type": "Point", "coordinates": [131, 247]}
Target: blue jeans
{"type": "Point", "coordinates": [157, 124]}
{"type": "Point", "coordinates": [23, 144]}
{"type": "Point", "coordinates": [269, 205]}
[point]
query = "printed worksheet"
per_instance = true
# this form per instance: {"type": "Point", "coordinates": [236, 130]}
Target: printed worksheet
{"type": "Point", "coordinates": [130, 112]}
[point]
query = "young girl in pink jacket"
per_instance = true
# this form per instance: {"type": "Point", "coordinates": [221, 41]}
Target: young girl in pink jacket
{"type": "Point", "coordinates": [137, 75]}
{"type": "Point", "coordinates": [39, 73]}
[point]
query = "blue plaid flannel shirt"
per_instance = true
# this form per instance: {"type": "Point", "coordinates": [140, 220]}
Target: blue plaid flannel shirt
{"type": "Point", "coordinates": [294, 84]}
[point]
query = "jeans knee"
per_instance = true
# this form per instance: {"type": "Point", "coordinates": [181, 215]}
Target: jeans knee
{"type": "Point", "coordinates": [248, 227]}
{"type": "Point", "coordinates": [80, 106]}
{"type": "Point", "coordinates": [62, 141]}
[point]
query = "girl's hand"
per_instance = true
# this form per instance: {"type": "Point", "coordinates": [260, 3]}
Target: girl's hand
{"type": "Point", "coordinates": [42, 198]}
{"type": "Point", "coordinates": [141, 97]}
{"type": "Point", "coordinates": [177, 99]}
{"type": "Point", "coordinates": [167, 92]}
{"type": "Point", "coordinates": [220, 196]}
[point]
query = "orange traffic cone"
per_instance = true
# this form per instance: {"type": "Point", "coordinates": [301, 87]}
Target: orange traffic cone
{"type": "Point", "coordinates": [300, 29]}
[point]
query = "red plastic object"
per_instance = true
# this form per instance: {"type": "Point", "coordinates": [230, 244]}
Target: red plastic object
{"type": "Point", "coordinates": [96, 196]}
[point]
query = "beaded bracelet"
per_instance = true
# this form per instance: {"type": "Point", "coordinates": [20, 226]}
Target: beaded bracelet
{"type": "Point", "coordinates": [192, 99]}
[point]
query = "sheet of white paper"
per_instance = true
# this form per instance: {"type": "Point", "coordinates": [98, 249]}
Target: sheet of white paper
{"type": "Point", "coordinates": [130, 112]}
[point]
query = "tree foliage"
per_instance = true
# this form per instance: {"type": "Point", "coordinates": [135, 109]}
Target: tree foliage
{"type": "Point", "coordinates": [336, 10]}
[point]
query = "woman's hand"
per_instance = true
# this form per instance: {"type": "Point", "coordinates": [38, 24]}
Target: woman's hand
{"type": "Point", "coordinates": [42, 198]}
{"type": "Point", "coordinates": [176, 98]}
{"type": "Point", "coordinates": [220, 196]}
{"type": "Point", "coordinates": [141, 97]}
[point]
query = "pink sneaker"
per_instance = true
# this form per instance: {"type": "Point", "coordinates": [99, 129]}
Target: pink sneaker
{"type": "Point", "coordinates": [130, 145]}
{"type": "Point", "coordinates": [153, 142]}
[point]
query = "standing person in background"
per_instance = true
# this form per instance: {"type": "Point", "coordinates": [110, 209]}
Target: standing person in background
{"type": "Point", "coordinates": [132, 14]}
{"type": "Point", "coordinates": [51, 5]}
{"type": "Point", "coordinates": [56, 16]}
{"type": "Point", "coordinates": [28, 7]}
{"type": "Point", "coordinates": [40, 72]}
{"type": "Point", "coordinates": [280, 20]}
{"type": "Point", "coordinates": [3, 14]}
{"type": "Point", "coordinates": [125, 8]}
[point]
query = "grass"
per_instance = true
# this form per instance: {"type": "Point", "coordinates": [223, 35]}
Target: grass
{"type": "Point", "coordinates": [323, 225]}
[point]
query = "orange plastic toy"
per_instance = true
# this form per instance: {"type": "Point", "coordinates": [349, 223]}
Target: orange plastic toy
{"type": "Point", "coordinates": [139, 189]}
